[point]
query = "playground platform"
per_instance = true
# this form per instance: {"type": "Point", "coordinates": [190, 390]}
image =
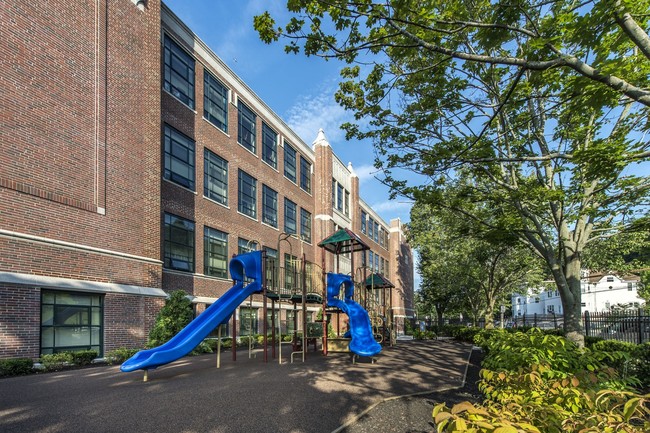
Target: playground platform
{"type": "Point", "coordinates": [192, 395]}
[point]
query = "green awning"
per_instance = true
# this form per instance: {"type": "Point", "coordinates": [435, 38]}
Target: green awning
{"type": "Point", "coordinates": [378, 281]}
{"type": "Point", "coordinates": [343, 241]}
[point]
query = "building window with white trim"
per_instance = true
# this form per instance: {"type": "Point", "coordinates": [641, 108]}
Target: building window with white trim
{"type": "Point", "coordinates": [269, 146]}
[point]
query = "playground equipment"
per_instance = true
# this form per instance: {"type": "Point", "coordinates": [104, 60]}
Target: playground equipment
{"type": "Point", "coordinates": [246, 271]}
{"type": "Point", "coordinates": [362, 340]}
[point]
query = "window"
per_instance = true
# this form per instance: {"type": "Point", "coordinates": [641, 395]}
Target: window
{"type": "Point", "coordinates": [333, 193]}
{"type": "Point", "coordinates": [179, 158]}
{"type": "Point", "coordinates": [290, 217]}
{"type": "Point", "coordinates": [630, 287]}
{"type": "Point", "coordinates": [290, 270]}
{"type": "Point", "coordinates": [370, 227]}
{"type": "Point", "coordinates": [71, 321]}
{"type": "Point", "coordinates": [363, 222]}
{"type": "Point", "coordinates": [305, 225]}
{"type": "Point", "coordinates": [215, 102]}
{"type": "Point", "coordinates": [376, 262]}
{"type": "Point", "coordinates": [289, 162]}
{"type": "Point", "coordinates": [269, 146]}
{"type": "Point", "coordinates": [610, 279]}
{"type": "Point", "coordinates": [339, 196]}
{"type": "Point", "coordinates": [376, 231]}
{"type": "Point", "coordinates": [381, 236]}
{"type": "Point", "coordinates": [245, 246]}
{"type": "Point", "coordinates": [371, 259]}
{"type": "Point", "coordinates": [271, 263]}
{"type": "Point", "coordinates": [215, 249]}
{"type": "Point", "coordinates": [215, 180]}
{"type": "Point", "coordinates": [347, 204]}
{"type": "Point", "coordinates": [179, 72]}
{"type": "Point", "coordinates": [247, 321]}
{"type": "Point", "coordinates": [269, 206]}
{"type": "Point", "coordinates": [305, 175]}
{"type": "Point", "coordinates": [246, 127]}
{"type": "Point", "coordinates": [247, 195]}
{"type": "Point", "coordinates": [178, 243]}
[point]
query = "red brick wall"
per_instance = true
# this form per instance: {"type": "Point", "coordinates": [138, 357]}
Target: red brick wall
{"type": "Point", "coordinates": [79, 157]}
{"type": "Point", "coordinates": [79, 133]}
{"type": "Point", "coordinates": [193, 206]}
{"type": "Point", "coordinates": [19, 321]}
{"type": "Point", "coordinates": [128, 320]}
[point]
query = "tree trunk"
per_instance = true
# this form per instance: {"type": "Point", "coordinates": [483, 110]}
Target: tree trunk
{"type": "Point", "coordinates": [568, 283]}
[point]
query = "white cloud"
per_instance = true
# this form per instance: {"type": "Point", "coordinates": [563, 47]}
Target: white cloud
{"type": "Point", "coordinates": [393, 206]}
{"type": "Point", "coordinates": [365, 172]}
{"type": "Point", "coordinates": [315, 111]}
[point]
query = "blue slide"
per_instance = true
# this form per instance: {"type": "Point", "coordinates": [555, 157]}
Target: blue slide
{"type": "Point", "coordinates": [363, 342]}
{"type": "Point", "coordinates": [242, 267]}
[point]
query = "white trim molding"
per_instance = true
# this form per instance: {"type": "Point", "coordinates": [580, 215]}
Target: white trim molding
{"type": "Point", "coordinates": [78, 285]}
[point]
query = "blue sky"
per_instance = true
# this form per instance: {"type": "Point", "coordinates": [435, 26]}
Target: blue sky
{"type": "Point", "coordinates": [299, 89]}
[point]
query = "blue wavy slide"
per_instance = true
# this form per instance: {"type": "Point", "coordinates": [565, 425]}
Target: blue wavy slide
{"type": "Point", "coordinates": [242, 267]}
{"type": "Point", "coordinates": [363, 342]}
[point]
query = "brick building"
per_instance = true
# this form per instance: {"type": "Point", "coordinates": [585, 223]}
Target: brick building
{"type": "Point", "coordinates": [134, 162]}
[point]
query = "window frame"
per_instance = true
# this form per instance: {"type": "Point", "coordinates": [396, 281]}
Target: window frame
{"type": "Point", "coordinates": [212, 85]}
{"type": "Point", "coordinates": [287, 213]}
{"type": "Point", "coordinates": [305, 174]}
{"type": "Point", "coordinates": [93, 310]}
{"type": "Point", "coordinates": [290, 154]}
{"type": "Point", "coordinates": [173, 140]}
{"type": "Point", "coordinates": [269, 146]}
{"type": "Point", "coordinates": [244, 113]}
{"type": "Point", "coordinates": [243, 196]}
{"type": "Point", "coordinates": [211, 159]}
{"type": "Point", "coordinates": [168, 261]}
{"type": "Point", "coordinates": [173, 50]}
{"type": "Point", "coordinates": [213, 236]}
{"type": "Point", "coordinates": [269, 211]}
{"type": "Point", "coordinates": [305, 225]}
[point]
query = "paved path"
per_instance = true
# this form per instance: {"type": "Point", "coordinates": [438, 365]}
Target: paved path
{"type": "Point", "coordinates": [191, 395]}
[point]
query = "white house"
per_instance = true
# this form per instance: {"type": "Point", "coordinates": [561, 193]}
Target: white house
{"type": "Point", "coordinates": [600, 292]}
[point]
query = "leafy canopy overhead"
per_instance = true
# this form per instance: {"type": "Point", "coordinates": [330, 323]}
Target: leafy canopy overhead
{"type": "Point", "coordinates": [539, 109]}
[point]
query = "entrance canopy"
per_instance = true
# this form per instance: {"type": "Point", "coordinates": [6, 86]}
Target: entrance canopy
{"type": "Point", "coordinates": [378, 281]}
{"type": "Point", "coordinates": [343, 241]}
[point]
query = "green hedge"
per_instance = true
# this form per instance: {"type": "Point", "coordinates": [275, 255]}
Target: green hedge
{"type": "Point", "coordinates": [16, 366]}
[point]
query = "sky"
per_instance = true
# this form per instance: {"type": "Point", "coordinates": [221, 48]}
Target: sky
{"type": "Point", "coordinates": [299, 89]}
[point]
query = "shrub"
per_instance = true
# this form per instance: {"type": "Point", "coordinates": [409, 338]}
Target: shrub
{"type": "Point", "coordinates": [172, 318]}
{"type": "Point", "coordinates": [119, 355]}
{"type": "Point", "coordinates": [424, 335]}
{"type": "Point", "coordinates": [204, 346]}
{"type": "Point", "coordinates": [641, 365]}
{"type": "Point", "coordinates": [56, 361]}
{"type": "Point", "coordinates": [534, 382]}
{"type": "Point", "coordinates": [84, 357]}
{"type": "Point", "coordinates": [16, 366]}
{"type": "Point", "coordinates": [467, 334]}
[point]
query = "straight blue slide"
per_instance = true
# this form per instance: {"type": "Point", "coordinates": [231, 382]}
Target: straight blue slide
{"type": "Point", "coordinates": [363, 342]}
{"type": "Point", "coordinates": [242, 267]}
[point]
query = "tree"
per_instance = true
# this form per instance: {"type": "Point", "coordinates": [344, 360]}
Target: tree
{"type": "Point", "coordinates": [460, 261]}
{"type": "Point", "coordinates": [175, 315]}
{"type": "Point", "coordinates": [540, 107]}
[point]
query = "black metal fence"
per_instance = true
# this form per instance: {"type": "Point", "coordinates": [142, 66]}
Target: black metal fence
{"type": "Point", "coordinates": [629, 326]}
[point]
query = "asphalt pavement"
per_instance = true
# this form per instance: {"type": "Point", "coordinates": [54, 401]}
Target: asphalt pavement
{"type": "Point", "coordinates": [248, 395]}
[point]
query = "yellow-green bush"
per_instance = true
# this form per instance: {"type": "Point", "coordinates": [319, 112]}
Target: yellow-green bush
{"type": "Point", "coordinates": [534, 382]}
